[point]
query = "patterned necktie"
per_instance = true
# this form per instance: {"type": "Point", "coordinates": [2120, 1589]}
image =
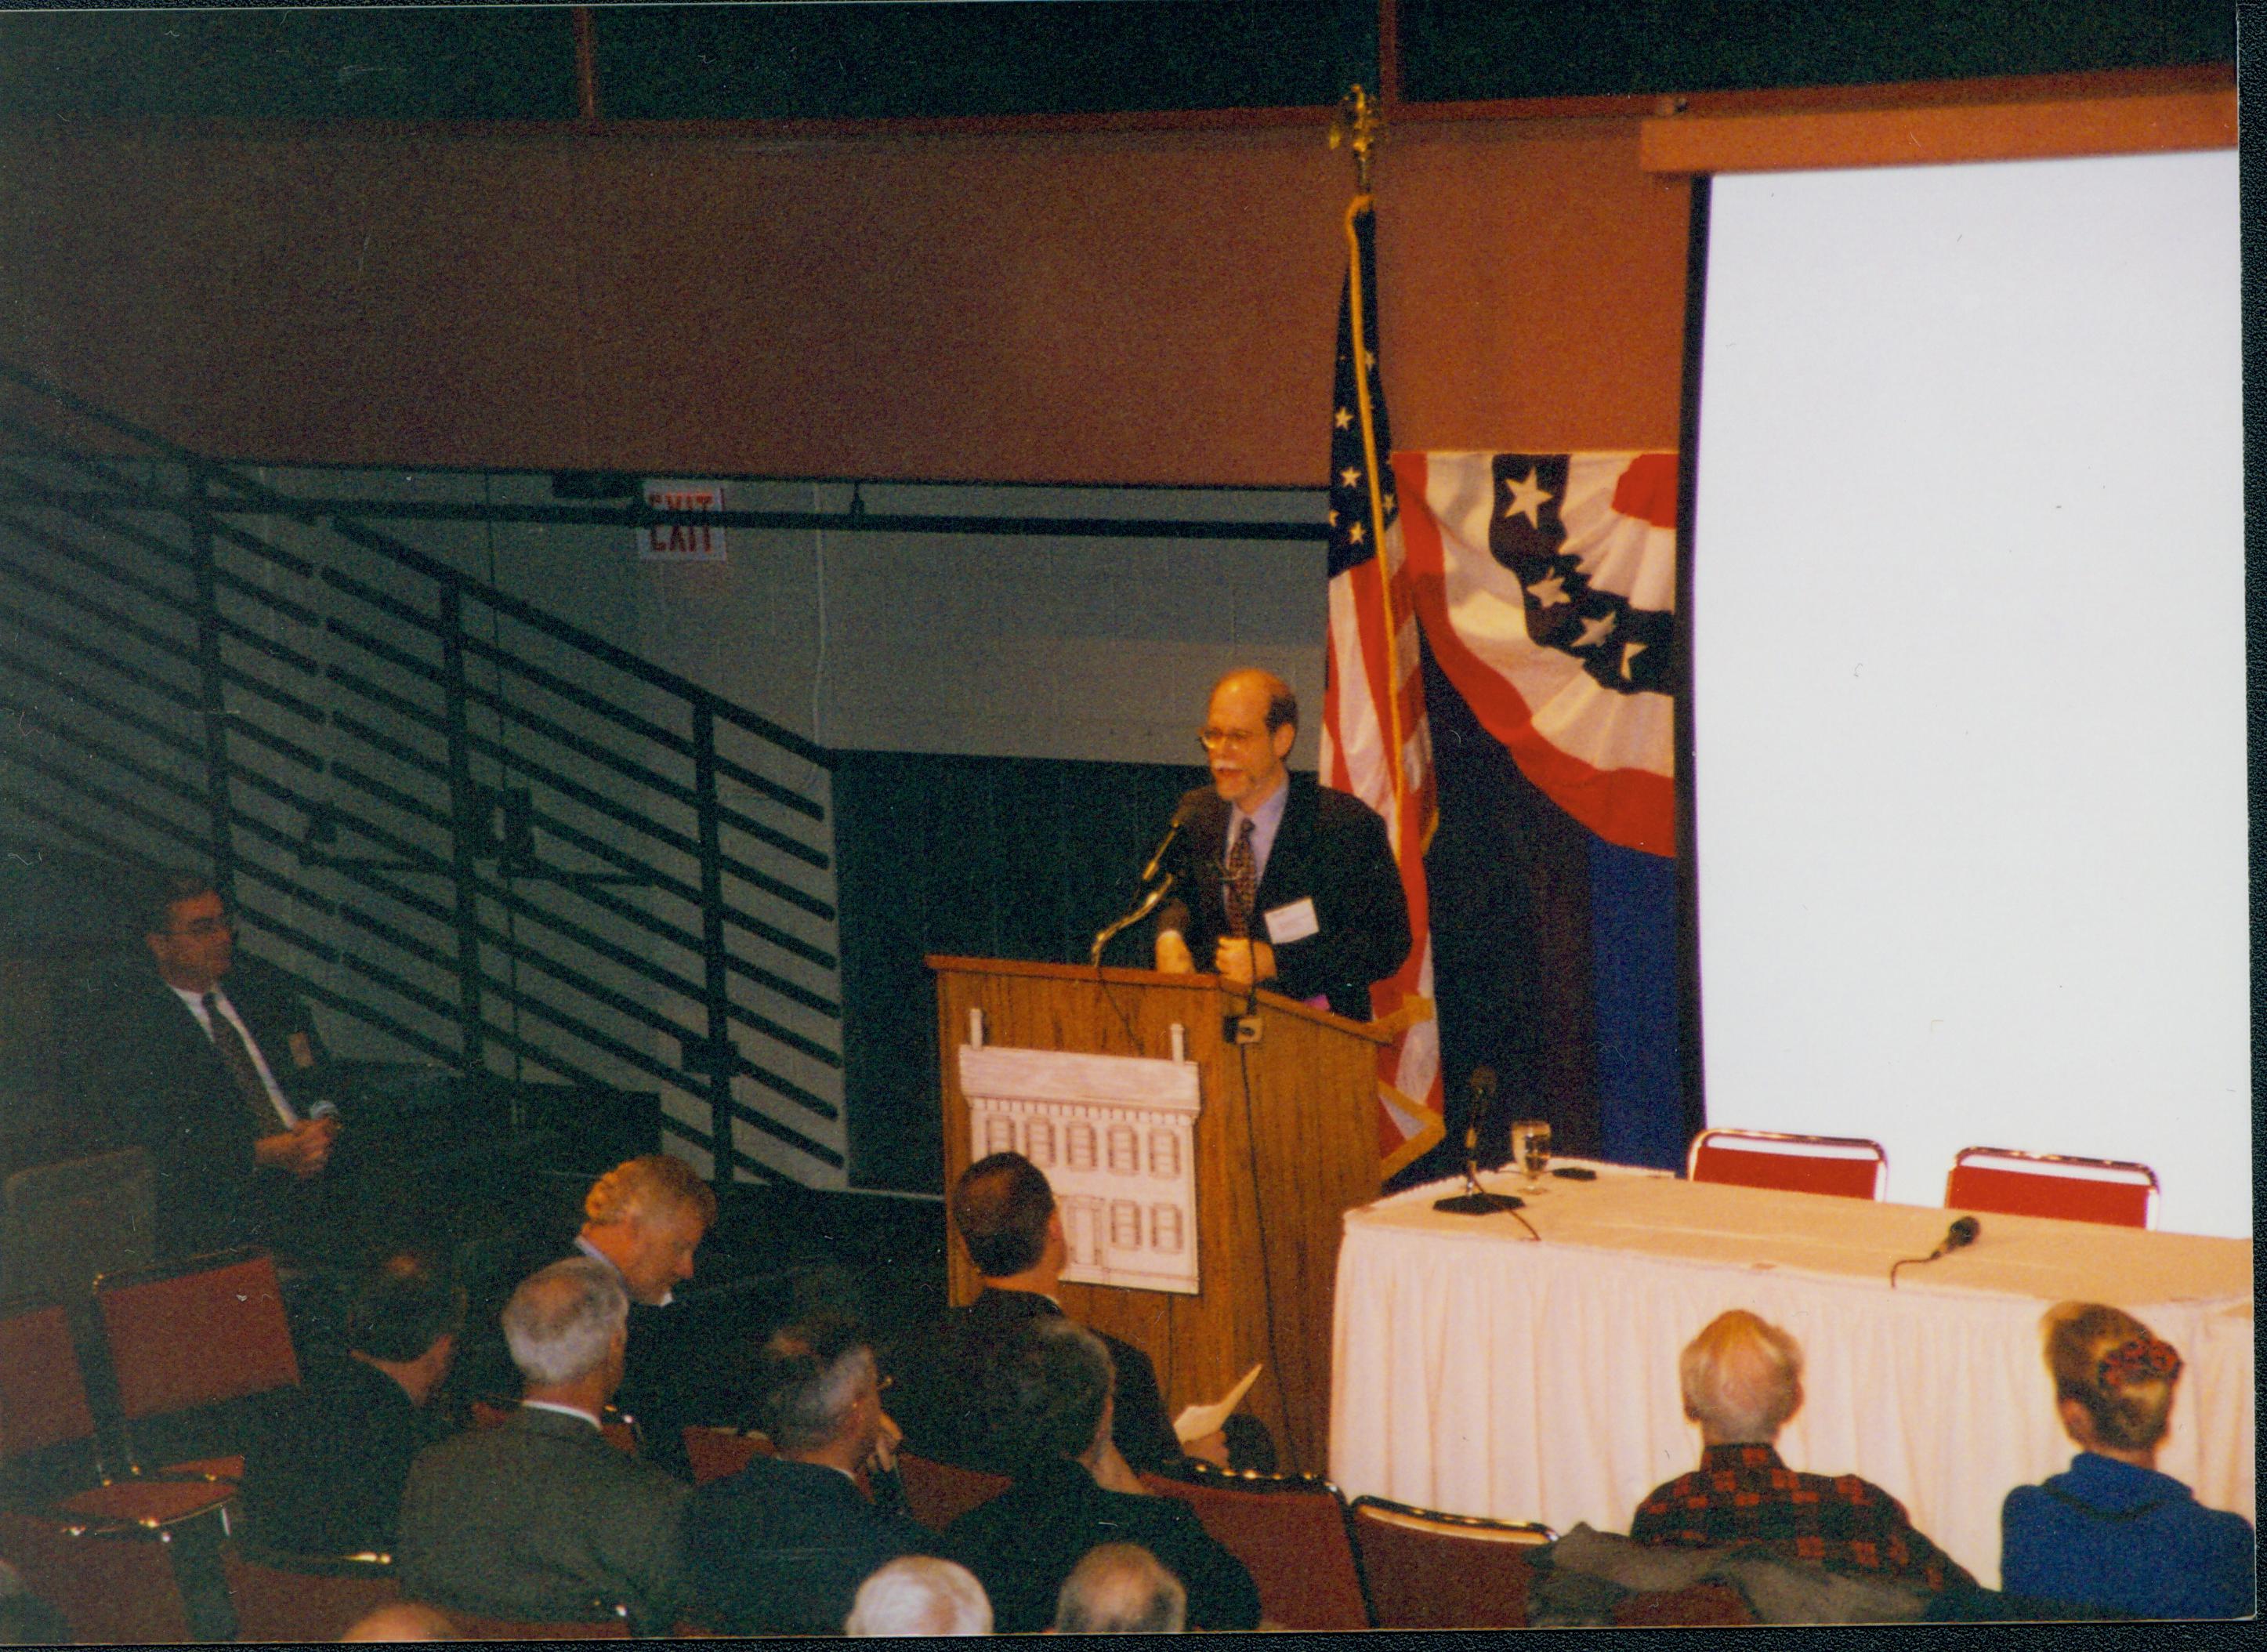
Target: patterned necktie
{"type": "Point", "coordinates": [236, 1057]}
{"type": "Point", "coordinates": [1242, 882]}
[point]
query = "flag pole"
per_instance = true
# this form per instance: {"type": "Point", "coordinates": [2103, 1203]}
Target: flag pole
{"type": "Point", "coordinates": [1358, 126]}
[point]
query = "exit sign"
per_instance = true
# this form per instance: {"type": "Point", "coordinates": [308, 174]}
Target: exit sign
{"type": "Point", "coordinates": [683, 541]}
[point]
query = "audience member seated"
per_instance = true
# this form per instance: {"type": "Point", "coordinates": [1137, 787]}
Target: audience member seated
{"type": "Point", "coordinates": [1119, 1589]}
{"type": "Point", "coordinates": [1072, 1492]}
{"type": "Point", "coordinates": [919, 1595]}
{"type": "Point", "coordinates": [403, 1621]}
{"type": "Point", "coordinates": [324, 1469]}
{"type": "Point", "coordinates": [780, 1547]}
{"type": "Point", "coordinates": [644, 1219]}
{"type": "Point", "coordinates": [541, 1518]}
{"type": "Point", "coordinates": [1006, 1216]}
{"type": "Point", "coordinates": [2113, 1533]}
{"type": "Point", "coordinates": [1742, 1379]}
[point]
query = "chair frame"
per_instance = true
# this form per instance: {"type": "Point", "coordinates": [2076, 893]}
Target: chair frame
{"type": "Point", "coordinates": [1533, 1532]}
{"type": "Point", "coordinates": [1793, 1141]}
{"type": "Point", "coordinates": [2141, 1176]}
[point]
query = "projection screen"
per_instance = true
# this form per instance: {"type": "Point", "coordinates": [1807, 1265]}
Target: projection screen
{"type": "Point", "coordinates": [1968, 695]}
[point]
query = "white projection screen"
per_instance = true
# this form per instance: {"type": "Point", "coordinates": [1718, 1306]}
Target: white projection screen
{"type": "Point", "coordinates": [1967, 617]}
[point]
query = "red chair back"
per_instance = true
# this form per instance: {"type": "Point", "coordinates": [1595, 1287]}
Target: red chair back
{"type": "Point", "coordinates": [2000, 1180]}
{"type": "Point", "coordinates": [938, 1494]}
{"type": "Point", "coordinates": [719, 1453]}
{"type": "Point", "coordinates": [42, 1395]}
{"type": "Point", "coordinates": [110, 1590]}
{"type": "Point", "coordinates": [1432, 1571]}
{"type": "Point", "coordinates": [1291, 1536]}
{"type": "Point", "coordinates": [195, 1333]}
{"type": "Point", "coordinates": [288, 1598]}
{"type": "Point", "coordinates": [1847, 1167]}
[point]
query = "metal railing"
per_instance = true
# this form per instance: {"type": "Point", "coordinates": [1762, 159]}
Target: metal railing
{"type": "Point", "coordinates": [486, 835]}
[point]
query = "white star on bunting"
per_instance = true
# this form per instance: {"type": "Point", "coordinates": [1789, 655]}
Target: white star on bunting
{"type": "Point", "coordinates": [1528, 499]}
{"type": "Point", "coordinates": [1595, 631]}
{"type": "Point", "coordinates": [1548, 592]}
{"type": "Point", "coordinates": [1630, 652]}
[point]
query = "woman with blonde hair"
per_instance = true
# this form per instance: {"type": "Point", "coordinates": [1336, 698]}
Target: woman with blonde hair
{"type": "Point", "coordinates": [2113, 1533]}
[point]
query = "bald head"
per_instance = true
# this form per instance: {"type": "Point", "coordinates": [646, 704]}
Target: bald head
{"type": "Point", "coordinates": [1250, 724]}
{"type": "Point", "coordinates": [1121, 1589]}
{"type": "Point", "coordinates": [403, 1621]}
{"type": "Point", "coordinates": [1742, 1379]}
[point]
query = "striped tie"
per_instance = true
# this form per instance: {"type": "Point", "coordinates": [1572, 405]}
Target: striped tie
{"type": "Point", "coordinates": [236, 1057]}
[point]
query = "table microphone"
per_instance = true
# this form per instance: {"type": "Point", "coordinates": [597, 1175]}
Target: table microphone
{"type": "Point", "coordinates": [1959, 1235]}
{"type": "Point", "coordinates": [1476, 1201]}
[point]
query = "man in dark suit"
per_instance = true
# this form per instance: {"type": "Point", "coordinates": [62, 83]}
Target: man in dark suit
{"type": "Point", "coordinates": [541, 1518]}
{"type": "Point", "coordinates": [1072, 1492]}
{"type": "Point", "coordinates": [325, 1468]}
{"type": "Point", "coordinates": [780, 1547]}
{"type": "Point", "coordinates": [1279, 881]}
{"type": "Point", "coordinates": [206, 1062]}
{"type": "Point", "coordinates": [1005, 1214]}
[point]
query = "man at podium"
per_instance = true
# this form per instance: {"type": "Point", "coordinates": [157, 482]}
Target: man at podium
{"type": "Point", "coordinates": [1279, 881]}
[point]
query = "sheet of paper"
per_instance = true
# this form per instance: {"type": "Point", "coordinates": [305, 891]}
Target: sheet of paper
{"type": "Point", "coordinates": [1196, 1421]}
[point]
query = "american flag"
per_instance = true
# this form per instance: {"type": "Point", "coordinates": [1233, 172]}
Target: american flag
{"type": "Point", "coordinates": [1375, 740]}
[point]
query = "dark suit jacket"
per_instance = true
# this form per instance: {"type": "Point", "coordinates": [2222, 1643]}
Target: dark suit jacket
{"type": "Point", "coordinates": [542, 1519]}
{"type": "Point", "coordinates": [781, 1548]}
{"type": "Point", "coordinates": [938, 1396]}
{"type": "Point", "coordinates": [1330, 849]}
{"type": "Point", "coordinates": [1025, 1542]}
{"type": "Point", "coordinates": [133, 1051]}
{"type": "Point", "coordinates": [325, 1466]}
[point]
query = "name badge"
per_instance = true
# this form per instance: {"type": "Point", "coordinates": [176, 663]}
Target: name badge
{"type": "Point", "coordinates": [1294, 923]}
{"type": "Point", "coordinates": [303, 1053]}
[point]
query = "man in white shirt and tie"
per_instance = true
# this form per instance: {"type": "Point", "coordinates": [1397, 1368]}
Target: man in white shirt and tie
{"type": "Point", "coordinates": [1279, 881]}
{"type": "Point", "coordinates": [206, 1063]}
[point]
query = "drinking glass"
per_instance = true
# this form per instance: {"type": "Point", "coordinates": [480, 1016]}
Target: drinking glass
{"type": "Point", "coordinates": [1535, 1151]}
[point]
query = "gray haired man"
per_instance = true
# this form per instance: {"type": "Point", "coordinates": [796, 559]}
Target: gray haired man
{"type": "Point", "coordinates": [541, 1519]}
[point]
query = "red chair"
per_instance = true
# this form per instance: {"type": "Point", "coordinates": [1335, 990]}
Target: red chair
{"type": "Point", "coordinates": [938, 1494]}
{"type": "Point", "coordinates": [196, 1336]}
{"type": "Point", "coordinates": [720, 1453]}
{"type": "Point", "coordinates": [103, 1554]}
{"type": "Point", "coordinates": [1429, 1570]}
{"type": "Point", "coordinates": [48, 1439]}
{"type": "Point", "coordinates": [2014, 1183]}
{"type": "Point", "coordinates": [1848, 1167]}
{"type": "Point", "coordinates": [1290, 1532]}
{"type": "Point", "coordinates": [300, 1598]}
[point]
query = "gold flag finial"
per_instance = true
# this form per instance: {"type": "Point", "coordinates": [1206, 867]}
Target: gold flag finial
{"type": "Point", "coordinates": [1358, 126]}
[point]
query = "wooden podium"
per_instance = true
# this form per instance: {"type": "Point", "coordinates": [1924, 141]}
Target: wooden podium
{"type": "Point", "coordinates": [1286, 1143]}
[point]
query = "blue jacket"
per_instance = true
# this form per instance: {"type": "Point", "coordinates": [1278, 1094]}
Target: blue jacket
{"type": "Point", "coordinates": [2131, 1540]}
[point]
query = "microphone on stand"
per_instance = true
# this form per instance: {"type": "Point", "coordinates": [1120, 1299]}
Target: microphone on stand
{"type": "Point", "coordinates": [1476, 1201]}
{"type": "Point", "coordinates": [1150, 903]}
{"type": "Point", "coordinates": [1165, 843]}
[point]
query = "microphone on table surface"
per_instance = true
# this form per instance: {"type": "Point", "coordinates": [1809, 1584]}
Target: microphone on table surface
{"type": "Point", "coordinates": [1961, 1234]}
{"type": "Point", "coordinates": [1476, 1201]}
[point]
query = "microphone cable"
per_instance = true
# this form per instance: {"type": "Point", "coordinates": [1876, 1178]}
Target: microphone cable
{"type": "Point", "coordinates": [1959, 1235]}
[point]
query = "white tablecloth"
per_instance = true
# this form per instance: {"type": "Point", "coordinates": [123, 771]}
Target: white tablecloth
{"type": "Point", "coordinates": [1478, 1371]}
